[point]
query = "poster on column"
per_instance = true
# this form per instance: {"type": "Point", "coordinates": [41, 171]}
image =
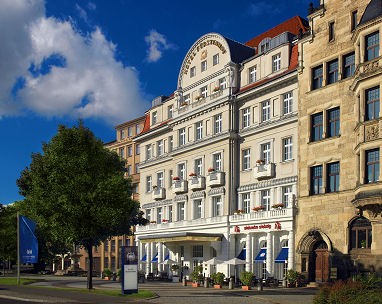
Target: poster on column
{"type": "Point", "coordinates": [129, 273]}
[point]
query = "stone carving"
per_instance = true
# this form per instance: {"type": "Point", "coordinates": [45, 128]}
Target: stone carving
{"type": "Point", "coordinates": [372, 132]}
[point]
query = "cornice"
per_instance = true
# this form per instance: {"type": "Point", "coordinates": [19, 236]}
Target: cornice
{"type": "Point", "coordinates": [268, 183]}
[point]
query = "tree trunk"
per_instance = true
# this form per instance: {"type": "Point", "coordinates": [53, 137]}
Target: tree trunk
{"type": "Point", "coordinates": [89, 249]}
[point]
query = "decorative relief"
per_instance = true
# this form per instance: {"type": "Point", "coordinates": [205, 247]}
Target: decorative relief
{"type": "Point", "coordinates": [373, 210]}
{"type": "Point", "coordinates": [372, 132]}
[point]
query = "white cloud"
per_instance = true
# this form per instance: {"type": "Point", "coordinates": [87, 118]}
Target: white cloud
{"type": "Point", "coordinates": [90, 83]}
{"type": "Point", "coordinates": [157, 44]}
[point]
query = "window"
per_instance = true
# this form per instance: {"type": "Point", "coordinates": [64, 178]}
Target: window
{"type": "Point", "coordinates": [215, 59]}
{"type": "Point", "coordinates": [333, 177]}
{"type": "Point", "coordinates": [197, 251]}
{"type": "Point", "coordinates": [222, 83]}
{"type": "Point", "coordinates": [160, 149]}
{"type": "Point", "coordinates": [315, 180]}
{"type": "Point", "coordinates": [182, 171]}
{"type": "Point", "coordinates": [217, 161]}
{"type": "Point", "coordinates": [266, 152]}
{"type": "Point", "coordinates": [246, 202]}
{"type": "Point", "coordinates": [159, 215]}
{"type": "Point", "coordinates": [187, 98]}
{"type": "Point", "coordinates": [332, 71]}
{"type": "Point", "coordinates": [122, 134]}
{"type": "Point", "coordinates": [203, 91]}
{"type": "Point", "coordinates": [353, 22]}
{"type": "Point", "coordinates": [154, 118]}
{"type": "Point", "coordinates": [246, 117]}
{"type": "Point", "coordinates": [372, 46]}
{"type": "Point", "coordinates": [122, 152]}
{"type": "Point", "coordinates": [203, 65]}
{"type": "Point", "coordinates": [129, 170]}
{"type": "Point", "coordinates": [170, 143]}
{"type": "Point", "coordinates": [333, 128]}
{"type": "Point", "coordinates": [372, 103]}
{"type": "Point", "coordinates": [252, 74]}
{"type": "Point", "coordinates": [197, 209]}
{"type": "Point", "coordinates": [148, 214]}
{"type": "Point", "coordinates": [160, 180]}
{"type": "Point", "coordinates": [317, 78]}
{"type": "Point", "coordinates": [331, 31]}
{"type": "Point", "coordinates": [148, 152]}
{"type": "Point", "coordinates": [246, 159]}
{"type": "Point", "coordinates": [170, 176]}
{"type": "Point", "coordinates": [266, 198]}
{"type": "Point", "coordinates": [182, 136]}
{"type": "Point", "coordinates": [170, 110]}
{"type": "Point", "coordinates": [317, 127]}
{"type": "Point", "coordinates": [198, 166]}
{"type": "Point", "coordinates": [349, 65]}
{"type": "Point", "coordinates": [199, 130]}
{"type": "Point", "coordinates": [137, 129]}
{"type": "Point", "coordinates": [192, 71]}
{"type": "Point", "coordinates": [130, 151]}
{"type": "Point", "coordinates": [217, 124]}
{"type": "Point", "coordinates": [276, 62]}
{"type": "Point", "coordinates": [360, 233]}
{"type": "Point", "coordinates": [137, 149]}
{"type": "Point", "coordinates": [169, 208]}
{"type": "Point", "coordinates": [148, 183]}
{"type": "Point", "coordinates": [136, 169]}
{"type": "Point", "coordinates": [287, 149]}
{"type": "Point", "coordinates": [265, 110]}
{"type": "Point", "coordinates": [372, 166]}
{"type": "Point", "coordinates": [130, 131]}
{"type": "Point", "coordinates": [217, 206]}
{"type": "Point", "coordinates": [286, 192]}
{"type": "Point", "coordinates": [181, 215]}
{"type": "Point", "coordinates": [287, 103]}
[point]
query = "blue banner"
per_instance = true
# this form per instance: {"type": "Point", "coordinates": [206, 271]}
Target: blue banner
{"type": "Point", "coordinates": [28, 241]}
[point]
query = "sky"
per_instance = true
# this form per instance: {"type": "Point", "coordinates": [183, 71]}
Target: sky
{"type": "Point", "coordinates": [102, 61]}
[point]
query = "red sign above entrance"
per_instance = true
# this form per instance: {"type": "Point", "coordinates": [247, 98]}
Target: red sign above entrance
{"type": "Point", "coordinates": [277, 226]}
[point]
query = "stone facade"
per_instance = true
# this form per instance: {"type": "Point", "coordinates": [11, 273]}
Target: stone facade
{"type": "Point", "coordinates": [339, 140]}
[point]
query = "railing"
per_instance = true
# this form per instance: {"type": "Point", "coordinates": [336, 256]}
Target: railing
{"type": "Point", "coordinates": [270, 214]}
{"type": "Point", "coordinates": [262, 171]}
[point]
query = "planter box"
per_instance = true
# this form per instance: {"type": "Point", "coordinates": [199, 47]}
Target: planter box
{"type": "Point", "coordinates": [179, 186]}
{"type": "Point", "coordinates": [245, 287]}
{"type": "Point", "coordinates": [264, 171]}
{"type": "Point", "coordinates": [195, 284]}
{"type": "Point", "coordinates": [197, 182]}
{"type": "Point", "coordinates": [216, 178]}
{"type": "Point", "coordinates": [217, 286]}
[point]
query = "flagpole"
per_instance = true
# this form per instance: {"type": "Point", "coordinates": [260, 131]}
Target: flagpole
{"type": "Point", "coordinates": [18, 248]}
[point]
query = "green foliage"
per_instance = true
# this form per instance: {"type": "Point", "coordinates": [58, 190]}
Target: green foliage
{"type": "Point", "coordinates": [292, 276]}
{"type": "Point", "coordinates": [174, 267]}
{"type": "Point", "coordinates": [8, 232]}
{"type": "Point", "coordinates": [197, 275]}
{"type": "Point", "coordinates": [218, 278]}
{"type": "Point", "coordinates": [246, 278]}
{"type": "Point", "coordinates": [76, 192]}
{"type": "Point", "coordinates": [362, 290]}
{"type": "Point", "coordinates": [107, 272]}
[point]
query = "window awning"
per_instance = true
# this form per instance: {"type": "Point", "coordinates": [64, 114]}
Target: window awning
{"type": "Point", "coordinates": [283, 256]}
{"type": "Point", "coordinates": [242, 255]}
{"type": "Point", "coordinates": [155, 258]}
{"type": "Point", "coordinates": [144, 258]}
{"type": "Point", "coordinates": [261, 256]}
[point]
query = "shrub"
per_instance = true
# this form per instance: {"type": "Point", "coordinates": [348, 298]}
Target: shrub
{"type": "Point", "coordinates": [218, 278]}
{"type": "Point", "coordinates": [246, 278]}
{"type": "Point", "coordinates": [107, 272]}
{"type": "Point", "coordinates": [197, 275]}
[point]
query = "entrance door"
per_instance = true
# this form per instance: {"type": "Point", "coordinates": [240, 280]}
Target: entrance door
{"type": "Point", "coordinates": [322, 265]}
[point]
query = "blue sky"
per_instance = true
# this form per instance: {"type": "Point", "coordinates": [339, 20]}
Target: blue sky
{"type": "Point", "coordinates": [102, 61]}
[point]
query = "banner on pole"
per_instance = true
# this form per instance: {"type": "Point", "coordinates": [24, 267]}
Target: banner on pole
{"type": "Point", "coordinates": [28, 241]}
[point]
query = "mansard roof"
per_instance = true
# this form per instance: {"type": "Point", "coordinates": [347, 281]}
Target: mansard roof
{"type": "Point", "coordinates": [239, 51]}
{"type": "Point", "coordinates": [372, 11]}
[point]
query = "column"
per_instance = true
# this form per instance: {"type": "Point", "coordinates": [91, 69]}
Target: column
{"type": "Point", "coordinates": [141, 254]}
{"type": "Point", "coordinates": [291, 250]}
{"type": "Point", "coordinates": [248, 253]}
{"type": "Point", "coordinates": [269, 259]}
{"type": "Point", "coordinates": [160, 256]}
{"type": "Point", "coordinates": [148, 257]}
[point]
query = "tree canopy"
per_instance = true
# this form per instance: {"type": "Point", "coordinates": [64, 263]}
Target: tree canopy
{"type": "Point", "coordinates": [76, 191]}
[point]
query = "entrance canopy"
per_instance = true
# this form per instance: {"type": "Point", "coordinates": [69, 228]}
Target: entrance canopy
{"type": "Point", "coordinates": [261, 256]}
{"type": "Point", "coordinates": [283, 256]}
{"type": "Point", "coordinates": [181, 237]}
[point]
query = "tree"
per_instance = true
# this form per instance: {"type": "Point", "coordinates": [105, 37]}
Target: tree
{"type": "Point", "coordinates": [76, 190]}
{"type": "Point", "coordinates": [8, 233]}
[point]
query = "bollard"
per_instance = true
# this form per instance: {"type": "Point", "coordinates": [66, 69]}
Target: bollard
{"type": "Point", "coordinates": [260, 286]}
{"type": "Point", "coordinates": [230, 283]}
{"type": "Point", "coordinates": [206, 283]}
{"type": "Point", "coordinates": [184, 281]}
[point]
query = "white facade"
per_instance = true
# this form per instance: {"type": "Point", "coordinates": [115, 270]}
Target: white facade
{"type": "Point", "coordinates": [200, 178]}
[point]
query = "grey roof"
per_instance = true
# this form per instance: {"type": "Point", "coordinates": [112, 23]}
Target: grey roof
{"type": "Point", "coordinates": [372, 11]}
{"type": "Point", "coordinates": [239, 52]}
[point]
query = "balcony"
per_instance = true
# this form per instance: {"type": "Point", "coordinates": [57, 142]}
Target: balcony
{"type": "Point", "coordinates": [266, 215]}
{"type": "Point", "coordinates": [179, 186]}
{"type": "Point", "coordinates": [368, 198]}
{"type": "Point", "coordinates": [159, 194]}
{"type": "Point", "coordinates": [264, 171]}
{"type": "Point", "coordinates": [216, 178]}
{"type": "Point", "coordinates": [197, 182]}
{"type": "Point", "coordinates": [365, 70]}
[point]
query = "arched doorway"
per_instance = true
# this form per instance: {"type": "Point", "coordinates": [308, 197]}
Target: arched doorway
{"type": "Point", "coordinates": [314, 249]}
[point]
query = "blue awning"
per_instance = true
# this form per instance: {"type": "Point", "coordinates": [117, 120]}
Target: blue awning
{"type": "Point", "coordinates": [155, 258]}
{"type": "Point", "coordinates": [144, 258]}
{"type": "Point", "coordinates": [167, 257]}
{"type": "Point", "coordinates": [283, 256]}
{"type": "Point", "coordinates": [261, 256]}
{"type": "Point", "coordinates": [242, 254]}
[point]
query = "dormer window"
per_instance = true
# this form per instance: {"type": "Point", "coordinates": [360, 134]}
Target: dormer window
{"type": "Point", "coordinates": [264, 45]}
{"type": "Point", "coordinates": [154, 118]}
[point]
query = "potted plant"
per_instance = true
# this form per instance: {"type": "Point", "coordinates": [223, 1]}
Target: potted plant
{"type": "Point", "coordinates": [192, 174]}
{"type": "Point", "coordinates": [211, 170]}
{"type": "Point", "coordinates": [164, 221]}
{"type": "Point", "coordinates": [218, 279]}
{"type": "Point", "coordinates": [292, 277]}
{"type": "Point", "coordinates": [153, 222]}
{"type": "Point", "coordinates": [216, 89]}
{"type": "Point", "coordinates": [258, 208]}
{"type": "Point", "coordinates": [246, 278]}
{"type": "Point", "coordinates": [197, 275]}
{"type": "Point", "coordinates": [260, 161]}
{"type": "Point", "coordinates": [363, 244]}
{"type": "Point", "coordinates": [174, 269]}
{"type": "Point", "coordinates": [107, 273]}
{"type": "Point", "coordinates": [176, 178]}
{"type": "Point", "coordinates": [278, 206]}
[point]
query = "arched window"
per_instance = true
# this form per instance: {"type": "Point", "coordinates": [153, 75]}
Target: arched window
{"type": "Point", "coordinates": [360, 233]}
